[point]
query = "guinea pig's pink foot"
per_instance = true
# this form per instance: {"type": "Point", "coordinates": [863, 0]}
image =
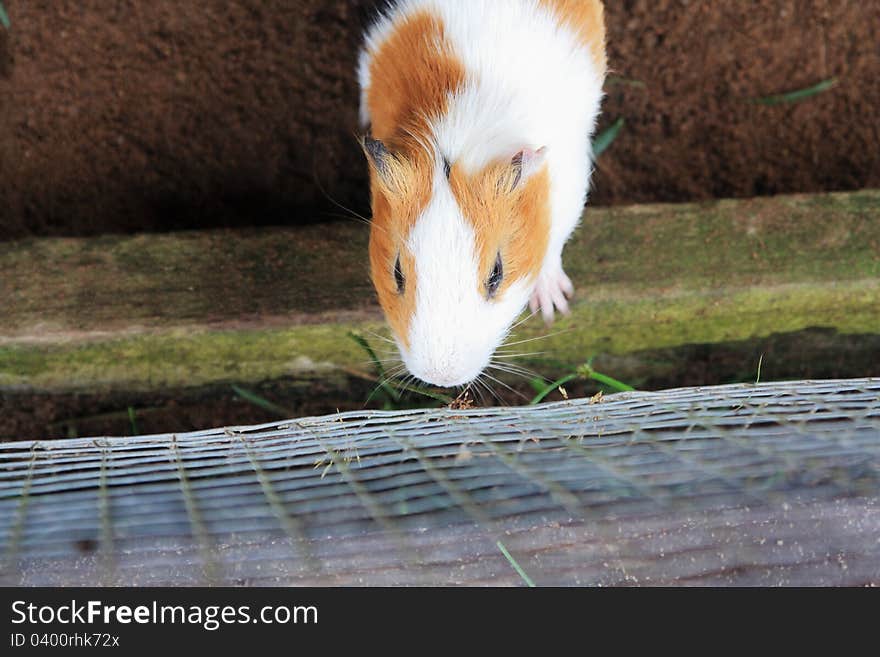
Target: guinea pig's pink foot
{"type": "Point", "coordinates": [551, 291]}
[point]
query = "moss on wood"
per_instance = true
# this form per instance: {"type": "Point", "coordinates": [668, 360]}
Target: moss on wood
{"type": "Point", "coordinates": [153, 311]}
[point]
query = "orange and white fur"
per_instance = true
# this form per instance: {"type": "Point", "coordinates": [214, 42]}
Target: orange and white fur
{"type": "Point", "coordinates": [478, 116]}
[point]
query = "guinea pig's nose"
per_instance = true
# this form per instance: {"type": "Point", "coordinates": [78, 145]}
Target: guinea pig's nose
{"type": "Point", "coordinates": [440, 376]}
{"type": "Point", "coordinates": [442, 368]}
{"type": "Point", "coordinates": [435, 378]}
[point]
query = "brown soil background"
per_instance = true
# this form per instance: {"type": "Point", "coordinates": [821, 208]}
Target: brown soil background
{"type": "Point", "coordinates": [127, 116]}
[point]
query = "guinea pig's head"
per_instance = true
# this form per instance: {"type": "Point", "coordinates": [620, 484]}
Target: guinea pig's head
{"type": "Point", "coordinates": [454, 253]}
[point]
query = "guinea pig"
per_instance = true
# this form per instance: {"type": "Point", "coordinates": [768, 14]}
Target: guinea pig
{"type": "Point", "coordinates": [478, 116]}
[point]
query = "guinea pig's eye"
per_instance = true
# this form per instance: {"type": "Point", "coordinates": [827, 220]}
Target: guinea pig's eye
{"type": "Point", "coordinates": [495, 278]}
{"type": "Point", "coordinates": [398, 276]}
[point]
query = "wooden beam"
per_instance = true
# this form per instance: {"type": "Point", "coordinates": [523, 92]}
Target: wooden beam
{"type": "Point", "coordinates": [158, 310]}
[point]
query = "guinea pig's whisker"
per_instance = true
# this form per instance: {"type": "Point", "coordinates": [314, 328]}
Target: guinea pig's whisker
{"type": "Point", "coordinates": [350, 214]}
{"type": "Point", "coordinates": [524, 319]}
{"type": "Point", "coordinates": [522, 354]}
{"type": "Point", "coordinates": [501, 383]}
{"type": "Point", "coordinates": [478, 393]}
{"type": "Point", "coordinates": [540, 337]}
{"type": "Point", "coordinates": [383, 361]}
{"type": "Point", "coordinates": [380, 384]}
{"type": "Point", "coordinates": [380, 337]}
{"type": "Point", "coordinates": [481, 387]}
{"type": "Point", "coordinates": [484, 390]}
{"type": "Point", "coordinates": [373, 361]}
{"type": "Point", "coordinates": [343, 215]}
{"type": "Point", "coordinates": [394, 369]}
{"type": "Point", "coordinates": [404, 384]}
{"type": "Point", "coordinates": [395, 373]}
{"type": "Point", "coordinates": [392, 375]}
{"type": "Point", "coordinates": [512, 368]}
{"type": "Point", "coordinates": [374, 391]}
{"type": "Point", "coordinates": [525, 341]}
{"type": "Point", "coordinates": [519, 373]}
{"type": "Point", "coordinates": [510, 364]}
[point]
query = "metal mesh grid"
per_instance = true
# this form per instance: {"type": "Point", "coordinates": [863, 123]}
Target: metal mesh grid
{"type": "Point", "coordinates": [639, 487]}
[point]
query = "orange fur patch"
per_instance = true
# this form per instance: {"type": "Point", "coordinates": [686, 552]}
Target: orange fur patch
{"type": "Point", "coordinates": [587, 19]}
{"type": "Point", "coordinates": [515, 223]}
{"type": "Point", "coordinates": [412, 74]}
{"type": "Point", "coordinates": [394, 214]}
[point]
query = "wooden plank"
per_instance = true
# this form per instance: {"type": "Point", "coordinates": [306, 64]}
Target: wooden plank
{"type": "Point", "coordinates": [785, 543]}
{"type": "Point", "coordinates": [191, 308]}
{"type": "Point", "coordinates": [768, 484]}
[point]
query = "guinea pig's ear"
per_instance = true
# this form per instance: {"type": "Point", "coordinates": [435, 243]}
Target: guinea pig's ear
{"type": "Point", "coordinates": [524, 165]}
{"type": "Point", "coordinates": [380, 158]}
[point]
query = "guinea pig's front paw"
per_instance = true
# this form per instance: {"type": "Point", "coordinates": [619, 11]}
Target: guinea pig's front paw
{"type": "Point", "coordinates": [553, 289]}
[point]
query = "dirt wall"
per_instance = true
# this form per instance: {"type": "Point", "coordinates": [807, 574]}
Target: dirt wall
{"type": "Point", "coordinates": [126, 116]}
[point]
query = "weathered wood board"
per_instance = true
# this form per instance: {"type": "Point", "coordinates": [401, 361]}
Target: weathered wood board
{"type": "Point", "coordinates": [190, 308]}
{"type": "Point", "coordinates": [770, 484]}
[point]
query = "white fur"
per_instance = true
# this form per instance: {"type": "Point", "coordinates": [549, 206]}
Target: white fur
{"type": "Point", "coordinates": [454, 329]}
{"type": "Point", "coordinates": [530, 84]}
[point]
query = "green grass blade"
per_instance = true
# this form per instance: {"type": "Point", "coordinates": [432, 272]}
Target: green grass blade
{"type": "Point", "coordinates": [760, 362]}
{"type": "Point", "coordinates": [538, 383]}
{"type": "Point", "coordinates": [584, 371]}
{"type": "Point", "coordinates": [799, 95]}
{"type": "Point", "coordinates": [612, 383]}
{"type": "Point", "coordinates": [384, 385]}
{"type": "Point", "coordinates": [516, 566]}
{"type": "Point", "coordinates": [547, 389]}
{"type": "Point", "coordinates": [588, 372]}
{"type": "Point", "coordinates": [4, 17]}
{"type": "Point", "coordinates": [446, 399]}
{"type": "Point", "coordinates": [131, 418]}
{"type": "Point", "coordinates": [604, 140]}
{"type": "Point", "coordinates": [390, 390]}
{"type": "Point", "coordinates": [393, 405]}
{"type": "Point", "coordinates": [262, 402]}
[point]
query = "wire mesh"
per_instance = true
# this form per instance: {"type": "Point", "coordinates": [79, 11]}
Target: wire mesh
{"type": "Point", "coordinates": [748, 484]}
